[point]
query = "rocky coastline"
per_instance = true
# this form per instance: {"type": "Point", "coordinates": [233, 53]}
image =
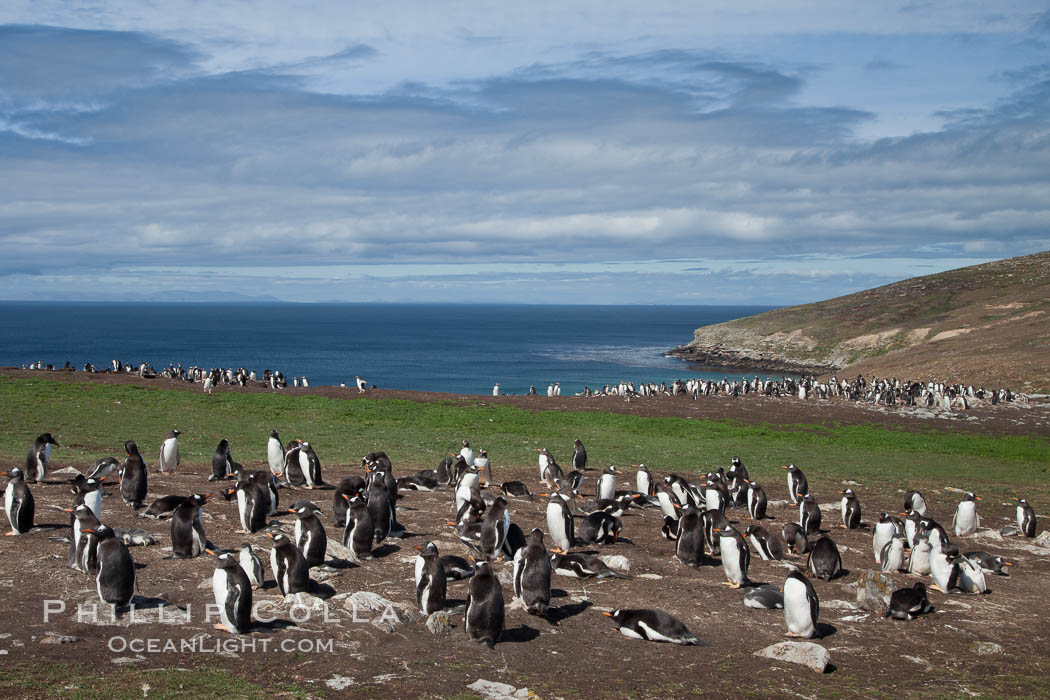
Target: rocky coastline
{"type": "Point", "coordinates": [715, 358]}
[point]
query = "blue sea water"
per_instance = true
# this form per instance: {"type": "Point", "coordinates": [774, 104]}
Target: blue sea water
{"type": "Point", "coordinates": [459, 348]}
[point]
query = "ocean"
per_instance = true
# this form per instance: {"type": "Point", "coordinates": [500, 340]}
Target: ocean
{"type": "Point", "coordinates": [457, 348]}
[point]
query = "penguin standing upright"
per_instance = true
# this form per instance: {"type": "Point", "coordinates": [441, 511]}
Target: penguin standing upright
{"type": "Point", "coordinates": [221, 461]}
{"type": "Point", "coordinates": [768, 545]}
{"type": "Point", "coordinates": [289, 567]}
{"type": "Point", "coordinates": [801, 606]}
{"type": "Point", "coordinates": [233, 595]}
{"type": "Point", "coordinates": [467, 453]}
{"type": "Point", "coordinates": [1026, 521]}
{"type": "Point", "coordinates": [18, 503]}
{"type": "Point", "coordinates": [808, 514]}
{"type": "Point", "coordinates": [115, 581]}
{"type": "Point", "coordinates": [359, 531]}
{"type": "Point", "coordinates": [380, 506]}
{"type": "Point", "coordinates": [481, 463]}
{"type": "Point", "coordinates": [39, 457]}
{"type": "Point", "coordinates": [824, 560]}
{"type": "Point", "coordinates": [251, 563]}
{"type": "Point", "coordinates": [532, 575]}
{"type": "Point", "coordinates": [545, 459]}
{"type": "Point", "coordinates": [913, 500]}
{"type": "Point", "coordinates": [310, 536]}
{"type": "Point", "coordinates": [607, 484]}
{"type": "Point", "coordinates": [348, 487]}
{"type": "Point", "coordinates": [643, 481]}
{"type": "Point", "coordinates": [943, 568]}
{"type": "Point", "coordinates": [485, 607]}
{"type": "Point", "coordinates": [275, 454]}
{"type": "Point", "coordinates": [169, 453]}
{"type": "Point", "coordinates": [293, 470]}
{"type": "Point", "coordinates": [736, 556]}
{"type": "Point", "coordinates": [966, 520]}
{"type": "Point", "coordinates": [716, 496]}
{"type": "Point", "coordinates": [882, 533]}
{"type": "Point", "coordinates": [187, 528]}
{"type": "Point", "coordinates": [892, 557]}
{"type": "Point", "coordinates": [919, 561]}
{"type": "Point", "coordinates": [579, 456]}
{"type": "Point", "coordinates": [430, 578]}
{"type": "Point", "coordinates": [311, 466]}
{"type": "Point", "coordinates": [253, 506]}
{"type": "Point", "coordinates": [689, 547]}
{"type": "Point", "coordinates": [798, 485]}
{"type": "Point", "coordinates": [850, 510]}
{"type": "Point", "coordinates": [83, 544]}
{"type": "Point", "coordinates": [560, 524]}
{"type": "Point", "coordinates": [133, 485]}
{"type": "Point", "coordinates": [494, 528]}
{"type": "Point", "coordinates": [756, 501]}
{"type": "Point", "coordinates": [796, 539]}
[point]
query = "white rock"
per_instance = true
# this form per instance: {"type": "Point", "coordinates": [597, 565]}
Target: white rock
{"type": "Point", "coordinates": [986, 648]}
{"type": "Point", "coordinates": [491, 690]}
{"type": "Point", "coordinates": [874, 589]}
{"type": "Point", "coordinates": [654, 577]}
{"type": "Point", "coordinates": [807, 654]}
{"type": "Point", "coordinates": [989, 534]}
{"type": "Point", "coordinates": [338, 682]}
{"type": "Point", "coordinates": [838, 604]}
{"type": "Point", "coordinates": [616, 561]}
{"type": "Point", "coordinates": [440, 622]}
{"type": "Point", "coordinates": [1043, 540]}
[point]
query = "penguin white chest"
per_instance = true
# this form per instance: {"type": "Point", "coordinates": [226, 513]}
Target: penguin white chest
{"type": "Point", "coordinates": [242, 508]}
{"type": "Point", "coordinates": [797, 612]}
{"type": "Point", "coordinates": [731, 559]}
{"type": "Point", "coordinates": [607, 487]}
{"type": "Point", "coordinates": [93, 500]}
{"type": "Point", "coordinates": [556, 526]}
{"type": "Point", "coordinates": [9, 499]}
{"type": "Point", "coordinates": [1020, 517]}
{"type": "Point", "coordinates": [966, 518]}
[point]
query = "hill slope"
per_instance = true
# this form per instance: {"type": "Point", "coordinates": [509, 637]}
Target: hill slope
{"type": "Point", "coordinates": [986, 324]}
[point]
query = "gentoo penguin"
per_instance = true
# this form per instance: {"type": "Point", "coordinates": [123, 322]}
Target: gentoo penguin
{"type": "Point", "coordinates": [430, 579]}
{"type": "Point", "coordinates": [882, 533]}
{"type": "Point", "coordinates": [444, 472]}
{"type": "Point", "coordinates": [643, 481]}
{"type": "Point", "coordinates": [169, 453]}
{"type": "Point", "coordinates": [579, 455]}
{"type": "Point", "coordinates": [267, 484]}
{"type": "Point", "coordinates": [581, 565]}
{"type": "Point", "coordinates": [966, 520]}
{"type": "Point", "coordinates": [737, 478]}
{"type": "Point", "coordinates": [359, 531]}
{"type": "Point", "coordinates": [553, 474]}
{"type": "Point", "coordinates": [911, 527]}
{"type": "Point", "coordinates": [485, 608]}
{"type": "Point", "coordinates": [221, 461]}
{"type": "Point", "coordinates": [607, 484]}
{"type": "Point", "coordinates": [253, 506]}
{"type": "Point", "coordinates": [989, 563]}
{"type": "Point", "coordinates": [494, 529]}
{"type": "Point", "coordinates": [165, 505]}
{"type": "Point", "coordinates": [808, 514]}
{"type": "Point", "coordinates": [83, 546]}
{"type": "Point", "coordinates": [275, 454]}
{"type": "Point", "coordinates": [560, 525]}
{"type": "Point", "coordinates": [736, 556]}
{"type": "Point", "coordinates": [943, 568]}
{"type": "Point", "coordinates": [133, 485]}
{"type": "Point", "coordinates": [251, 563]}
{"type": "Point", "coordinates": [233, 594]}
{"type": "Point", "coordinates": [766, 597]}
{"type": "Point", "coordinates": [801, 606]}
{"type": "Point", "coordinates": [919, 561]}
{"type": "Point", "coordinates": [350, 486]}
{"type": "Point", "coordinates": [104, 467]}
{"type": "Point", "coordinates": [680, 489]}
{"type": "Point", "coordinates": [545, 459]}
{"type": "Point", "coordinates": [653, 626]}
{"type": "Point", "coordinates": [187, 529]}
{"type": "Point", "coordinates": [599, 527]}
{"type": "Point", "coordinates": [38, 458]}
{"type": "Point", "coordinates": [797, 483]}
{"type": "Point", "coordinates": [824, 559]}
{"type": "Point", "coordinates": [971, 576]}
{"type": "Point", "coordinates": [716, 495]}
{"type": "Point", "coordinates": [116, 569]}
{"type": "Point", "coordinates": [456, 568]}
{"type": "Point", "coordinates": [89, 493]}
{"type": "Point", "coordinates": [515, 489]}
{"type": "Point", "coordinates": [913, 500]}
{"type": "Point", "coordinates": [850, 510]}
{"type": "Point", "coordinates": [714, 522]}
{"type": "Point", "coordinates": [380, 506]}
{"type": "Point", "coordinates": [18, 503]}
{"type": "Point", "coordinates": [908, 603]}
{"type": "Point", "coordinates": [1025, 518]}
{"type": "Point", "coordinates": [892, 556]}
{"type": "Point", "coordinates": [481, 463]}
{"type": "Point", "coordinates": [796, 539]}
{"type": "Point", "coordinates": [310, 536]}
{"type": "Point", "coordinates": [532, 575]}
{"type": "Point", "coordinates": [289, 567]}
{"type": "Point", "coordinates": [689, 547]}
{"type": "Point", "coordinates": [756, 501]}
{"type": "Point", "coordinates": [293, 470]}
{"type": "Point", "coordinates": [768, 546]}
{"type": "Point", "coordinates": [467, 453]}
{"type": "Point", "coordinates": [311, 467]}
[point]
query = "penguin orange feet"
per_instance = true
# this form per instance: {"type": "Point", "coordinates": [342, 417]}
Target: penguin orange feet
{"type": "Point", "coordinates": [220, 626]}
{"type": "Point", "coordinates": [935, 587]}
{"type": "Point", "coordinates": [10, 534]}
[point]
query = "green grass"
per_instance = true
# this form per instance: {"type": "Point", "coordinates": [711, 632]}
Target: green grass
{"type": "Point", "coordinates": [93, 420]}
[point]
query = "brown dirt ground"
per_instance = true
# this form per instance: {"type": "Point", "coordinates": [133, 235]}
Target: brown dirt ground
{"type": "Point", "coordinates": [581, 655]}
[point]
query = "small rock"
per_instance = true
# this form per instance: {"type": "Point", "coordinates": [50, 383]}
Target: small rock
{"type": "Point", "coordinates": [335, 550]}
{"type": "Point", "coordinates": [206, 583]}
{"type": "Point", "coordinates": [776, 504]}
{"type": "Point", "coordinates": [953, 489]}
{"type": "Point", "coordinates": [807, 654]}
{"type": "Point", "coordinates": [616, 561]}
{"type": "Point", "coordinates": [850, 482]}
{"type": "Point", "coordinates": [986, 648]}
{"type": "Point", "coordinates": [67, 470]}
{"type": "Point", "coordinates": [440, 623]}
{"type": "Point", "coordinates": [874, 589]}
{"type": "Point", "coordinates": [128, 659]}
{"type": "Point", "coordinates": [506, 576]}
{"type": "Point", "coordinates": [1008, 530]}
{"type": "Point", "coordinates": [51, 638]}
{"type": "Point", "coordinates": [838, 604]}
{"type": "Point", "coordinates": [989, 534]}
{"type": "Point", "coordinates": [491, 690]}
{"type": "Point", "coordinates": [654, 577]}
{"type": "Point", "coordinates": [338, 682]}
{"type": "Point", "coordinates": [304, 600]}
{"type": "Point", "coordinates": [1043, 540]}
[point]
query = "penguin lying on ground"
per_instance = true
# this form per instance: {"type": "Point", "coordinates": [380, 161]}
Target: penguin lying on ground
{"type": "Point", "coordinates": [908, 603]}
{"type": "Point", "coordinates": [653, 626]}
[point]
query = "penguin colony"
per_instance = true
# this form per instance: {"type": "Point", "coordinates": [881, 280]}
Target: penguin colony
{"type": "Point", "coordinates": [877, 391]}
{"type": "Point", "coordinates": [694, 516]}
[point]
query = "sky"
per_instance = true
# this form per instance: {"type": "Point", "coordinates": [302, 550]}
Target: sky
{"type": "Point", "coordinates": [717, 152]}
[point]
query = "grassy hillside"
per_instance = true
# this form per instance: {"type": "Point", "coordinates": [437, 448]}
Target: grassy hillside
{"type": "Point", "coordinates": [92, 420]}
{"type": "Point", "coordinates": [985, 324]}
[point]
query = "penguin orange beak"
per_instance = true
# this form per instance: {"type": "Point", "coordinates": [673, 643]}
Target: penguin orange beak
{"type": "Point", "coordinates": [211, 552]}
{"type": "Point", "coordinates": [800, 495]}
{"type": "Point", "coordinates": [977, 498]}
{"type": "Point", "coordinates": [290, 510]}
{"type": "Point", "coordinates": [451, 523]}
{"type": "Point", "coordinates": [716, 529]}
{"type": "Point", "coordinates": [270, 535]}
{"type": "Point", "coordinates": [1007, 563]}
{"type": "Point", "coordinates": [4, 474]}
{"type": "Point", "coordinates": [88, 530]}
{"type": "Point", "coordinates": [607, 614]}
{"type": "Point", "coordinates": [345, 496]}
{"type": "Point", "coordinates": [67, 510]}
{"type": "Point", "coordinates": [783, 466]}
{"type": "Point", "coordinates": [418, 546]}
{"type": "Point", "coordinates": [101, 478]}
{"type": "Point", "coordinates": [904, 514]}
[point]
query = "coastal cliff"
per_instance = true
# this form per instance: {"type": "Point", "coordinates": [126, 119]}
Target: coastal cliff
{"type": "Point", "coordinates": [986, 324]}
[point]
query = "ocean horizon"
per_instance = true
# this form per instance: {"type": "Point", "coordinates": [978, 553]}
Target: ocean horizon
{"type": "Point", "coordinates": [448, 347]}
